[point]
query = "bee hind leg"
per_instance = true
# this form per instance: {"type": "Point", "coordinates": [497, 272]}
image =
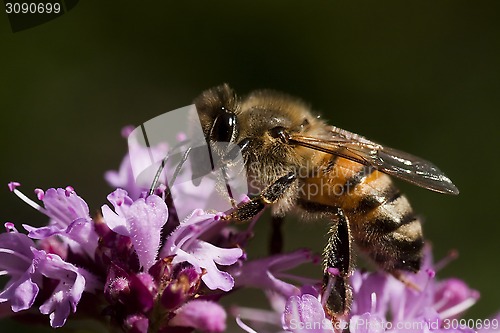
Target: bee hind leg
{"type": "Point", "coordinates": [338, 266]}
{"type": "Point", "coordinates": [276, 240]}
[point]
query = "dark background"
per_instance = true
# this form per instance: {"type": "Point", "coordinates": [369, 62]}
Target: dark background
{"type": "Point", "coordinates": [422, 76]}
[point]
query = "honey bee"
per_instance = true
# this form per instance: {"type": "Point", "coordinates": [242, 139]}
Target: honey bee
{"type": "Point", "coordinates": [298, 163]}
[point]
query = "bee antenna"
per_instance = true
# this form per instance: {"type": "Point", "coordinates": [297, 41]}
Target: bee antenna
{"type": "Point", "coordinates": [183, 160]}
{"type": "Point", "coordinates": [156, 180]}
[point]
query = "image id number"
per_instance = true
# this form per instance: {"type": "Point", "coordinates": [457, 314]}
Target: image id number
{"type": "Point", "coordinates": [32, 8]}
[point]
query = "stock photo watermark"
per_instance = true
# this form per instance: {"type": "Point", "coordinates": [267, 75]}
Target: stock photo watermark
{"type": "Point", "coordinates": [28, 14]}
{"type": "Point", "coordinates": [372, 324]}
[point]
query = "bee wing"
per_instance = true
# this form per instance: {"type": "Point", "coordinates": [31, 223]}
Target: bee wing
{"type": "Point", "coordinates": [391, 161]}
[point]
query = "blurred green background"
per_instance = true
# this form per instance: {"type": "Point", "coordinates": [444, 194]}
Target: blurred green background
{"type": "Point", "coordinates": [421, 76]}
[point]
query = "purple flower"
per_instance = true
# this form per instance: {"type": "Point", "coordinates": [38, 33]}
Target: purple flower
{"type": "Point", "coordinates": [422, 310]}
{"type": "Point", "coordinates": [16, 260]}
{"type": "Point", "coordinates": [305, 313]}
{"type": "Point", "coordinates": [137, 323]}
{"type": "Point", "coordinates": [204, 315]}
{"type": "Point", "coordinates": [381, 303]}
{"type": "Point", "coordinates": [138, 159]}
{"type": "Point", "coordinates": [72, 282]}
{"type": "Point", "coordinates": [138, 168]}
{"type": "Point", "coordinates": [174, 280]}
{"type": "Point", "coordinates": [267, 273]}
{"type": "Point", "coordinates": [69, 218]}
{"type": "Point", "coordinates": [262, 320]}
{"type": "Point", "coordinates": [185, 245]}
{"type": "Point", "coordinates": [452, 297]}
{"type": "Point", "coordinates": [184, 284]}
{"type": "Point", "coordinates": [141, 220]}
{"type": "Point", "coordinates": [26, 278]}
{"type": "Point", "coordinates": [367, 323]}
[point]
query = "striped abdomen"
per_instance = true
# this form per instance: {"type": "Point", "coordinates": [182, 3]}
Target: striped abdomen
{"type": "Point", "coordinates": [381, 220]}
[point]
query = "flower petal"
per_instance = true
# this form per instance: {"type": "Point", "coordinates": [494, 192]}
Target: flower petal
{"type": "Point", "coordinates": [305, 314]}
{"type": "Point", "coordinates": [65, 206]}
{"type": "Point", "coordinates": [67, 211]}
{"type": "Point", "coordinates": [366, 323]}
{"type": "Point", "coordinates": [114, 221]}
{"type": "Point", "coordinates": [264, 273]}
{"type": "Point", "coordinates": [141, 220]}
{"type": "Point", "coordinates": [21, 293]}
{"type": "Point", "coordinates": [137, 323]}
{"type": "Point", "coordinates": [146, 218]}
{"type": "Point", "coordinates": [203, 315]}
{"type": "Point", "coordinates": [68, 292]}
{"type": "Point", "coordinates": [16, 260]}
{"type": "Point", "coordinates": [184, 245]}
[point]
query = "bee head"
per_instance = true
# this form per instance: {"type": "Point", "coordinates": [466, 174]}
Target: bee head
{"type": "Point", "coordinates": [217, 108]}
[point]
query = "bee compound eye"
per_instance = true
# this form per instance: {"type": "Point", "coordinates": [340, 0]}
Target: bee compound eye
{"type": "Point", "coordinates": [224, 127]}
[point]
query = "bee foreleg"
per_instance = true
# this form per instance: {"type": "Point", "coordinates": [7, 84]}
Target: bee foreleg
{"type": "Point", "coordinates": [268, 196]}
{"type": "Point", "coordinates": [337, 265]}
